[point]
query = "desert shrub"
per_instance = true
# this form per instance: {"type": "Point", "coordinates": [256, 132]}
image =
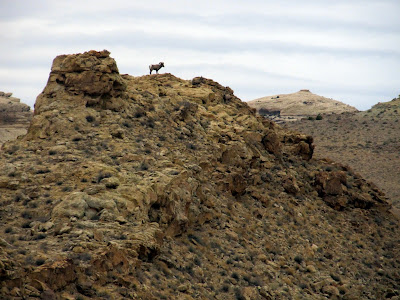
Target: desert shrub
{"type": "Point", "coordinates": [26, 224]}
{"type": "Point", "coordinates": [29, 260]}
{"type": "Point", "coordinates": [42, 171]}
{"type": "Point", "coordinates": [95, 217]}
{"type": "Point", "coordinates": [256, 281]}
{"type": "Point", "coordinates": [102, 175]}
{"type": "Point", "coordinates": [225, 288]}
{"type": "Point", "coordinates": [189, 269]}
{"type": "Point", "coordinates": [215, 245]}
{"type": "Point", "coordinates": [40, 261]}
{"type": "Point", "coordinates": [67, 189]}
{"type": "Point", "coordinates": [197, 261]}
{"type": "Point", "coordinates": [298, 259]}
{"type": "Point", "coordinates": [89, 118]}
{"type": "Point", "coordinates": [150, 123]}
{"type": "Point", "coordinates": [303, 286]}
{"type": "Point", "coordinates": [319, 117]}
{"type": "Point", "coordinates": [126, 124]}
{"type": "Point", "coordinates": [239, 295]}
{"type": "Point", "coordinates": [12, 149]}
{"type": "Point", "coordinates": [18, 197]}
{"type": "Point", "coordinates": [85, 256]}
{"type": "Point", "coordinates": [191, 146]}
{"type": "Point", "coordinates": [144, 166]}
{"type": "Point", "coordinates": [310, 118]}
{"type": "Point", "coordinates": [139, 113]}
{"type": "Point", "coordinates": [40, 236]}
{"type": "Point", "coordinates": [26, 215]}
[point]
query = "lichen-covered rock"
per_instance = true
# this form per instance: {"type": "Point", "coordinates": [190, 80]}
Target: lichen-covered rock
{"type": "Point", "coordinates": [91, 78]}
{"type": "Point", "coordinates": [74, 205]}
{"type": "Point", "coordinates": [272, 143]}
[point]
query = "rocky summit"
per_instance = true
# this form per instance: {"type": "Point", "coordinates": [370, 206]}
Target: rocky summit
{"type": "Point", "coordinates": [155, 187]}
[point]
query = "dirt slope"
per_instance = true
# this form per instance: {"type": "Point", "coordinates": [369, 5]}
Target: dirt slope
{"type": "Point", "coordinates": [155, 187]}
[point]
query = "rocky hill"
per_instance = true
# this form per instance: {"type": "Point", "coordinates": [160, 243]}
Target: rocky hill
{"type": "Point", "coordinates": [14, 117]}
{"type": "Point", "coordinates": [295, 106]}
{"type": "Point", "coordinates": [368, 141]}
{"type": "Point", "coordinates": [155, 187]}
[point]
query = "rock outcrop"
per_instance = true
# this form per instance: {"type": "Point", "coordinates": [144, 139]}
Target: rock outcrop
{"type": "Point", "coordinates": [14, 117]}
{"type": "Point", "coordinates": [10, 104]}
{"type": "Point", "coordinates": [156, 187]}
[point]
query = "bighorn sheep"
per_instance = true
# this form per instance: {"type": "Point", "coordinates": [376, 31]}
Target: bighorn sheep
{"type": "Point", "coordinates": [156, 67]}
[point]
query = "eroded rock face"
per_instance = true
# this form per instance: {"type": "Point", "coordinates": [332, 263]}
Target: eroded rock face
{"type": "Point", "coordinates": [91, 77]}
{"type": "Point", "coordinates": [154, 186]}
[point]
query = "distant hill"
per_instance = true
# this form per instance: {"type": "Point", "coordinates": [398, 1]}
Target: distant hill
{"type": "Point", "coordinates": [368, 141]}
{"type": "Point", "coordinates": [14, 117]}
{"type": "Point", "coordinates": [292, 107]}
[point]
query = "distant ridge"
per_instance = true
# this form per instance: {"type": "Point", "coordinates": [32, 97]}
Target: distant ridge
{"type": "Point", "coordinates": [291, 107]}
{"type": "Point", "coordinates": [14, 117]}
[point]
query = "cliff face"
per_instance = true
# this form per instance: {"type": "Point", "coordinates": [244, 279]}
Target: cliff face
{"type": "Point", "coordinates": [156, 187]}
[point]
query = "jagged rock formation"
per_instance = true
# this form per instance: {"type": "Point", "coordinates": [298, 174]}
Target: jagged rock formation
{"type": "Point", "coordinates": [156, 187]}
{"type": "Point", "coordinates": [14, 117]}
{"type": "Point", "coordinates": [292, 107]}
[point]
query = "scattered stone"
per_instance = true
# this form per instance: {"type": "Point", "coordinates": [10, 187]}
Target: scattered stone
{"type": "Point", "coordinates": [311, 269]}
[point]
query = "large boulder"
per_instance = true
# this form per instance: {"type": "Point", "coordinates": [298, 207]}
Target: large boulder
{"type": "Point", "coordinates": [93, 76]}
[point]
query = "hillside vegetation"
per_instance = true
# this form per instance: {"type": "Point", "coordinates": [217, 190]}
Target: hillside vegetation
{"type": "Point", "coordinates": [155, 187]}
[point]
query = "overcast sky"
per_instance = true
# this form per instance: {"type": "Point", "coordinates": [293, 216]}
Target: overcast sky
{"type": "Point", "coordinates": [348, 50]}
